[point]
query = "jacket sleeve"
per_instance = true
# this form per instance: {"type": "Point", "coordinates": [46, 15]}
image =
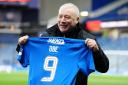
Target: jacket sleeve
{"type": "Point", "coordinates": [101, 61]}
{"type": "Point", "coordinates": [18, 48]}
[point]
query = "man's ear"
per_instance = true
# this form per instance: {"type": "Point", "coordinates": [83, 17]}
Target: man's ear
{"type": "Point", "coordinates": [77, 20]}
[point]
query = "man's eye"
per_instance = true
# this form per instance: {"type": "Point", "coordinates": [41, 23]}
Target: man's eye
{"type": "Point", "coordinates": [60, 16]}
{"type": "Point", "coordinates": [67, 17]}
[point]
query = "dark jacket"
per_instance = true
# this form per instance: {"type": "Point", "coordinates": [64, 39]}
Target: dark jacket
{"type": "Point", "coordinates": [100, 59]}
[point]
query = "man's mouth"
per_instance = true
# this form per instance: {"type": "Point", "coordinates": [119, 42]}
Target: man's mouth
{"type": "Point", "coordinates": [64, 26]}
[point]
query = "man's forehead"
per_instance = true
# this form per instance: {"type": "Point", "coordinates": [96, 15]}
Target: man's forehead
{"type": "Point", "coordinates": [68, 11]}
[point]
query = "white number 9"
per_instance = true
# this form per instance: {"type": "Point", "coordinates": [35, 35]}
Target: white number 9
{"type": "Point", "coordinates": [50, 68]}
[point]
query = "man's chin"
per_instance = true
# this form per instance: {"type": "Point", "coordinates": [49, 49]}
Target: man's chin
{"type": "Point", "coordinates": [63, 30]}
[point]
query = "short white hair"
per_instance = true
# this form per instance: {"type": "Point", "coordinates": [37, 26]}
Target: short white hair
{"type": "Point", "coordinates": [70, 5]}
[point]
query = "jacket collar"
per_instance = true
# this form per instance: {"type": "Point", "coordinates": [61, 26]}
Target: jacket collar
{"type": "Point", "coordinates": [72, 33]}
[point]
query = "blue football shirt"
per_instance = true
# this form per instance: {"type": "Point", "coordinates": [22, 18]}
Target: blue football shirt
{"type": "Point", "coordinates": [55, 60]}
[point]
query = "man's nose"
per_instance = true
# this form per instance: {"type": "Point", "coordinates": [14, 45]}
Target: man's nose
{"type": "Point", "coordinates": [63, 19]}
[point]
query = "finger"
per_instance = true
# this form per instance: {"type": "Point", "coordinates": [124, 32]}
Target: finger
{"type": "Point", "coordinates": [23, 39]}
{"type": "Point", "coordinates": [90, 45]}
{"type": "Point", "coordinates": [86, 40]}
{"type": "Point", "coordinates": [26, 36]}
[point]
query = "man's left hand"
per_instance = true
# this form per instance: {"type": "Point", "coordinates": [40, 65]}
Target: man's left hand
{"type": "Point", "coordinates": [91, 43]}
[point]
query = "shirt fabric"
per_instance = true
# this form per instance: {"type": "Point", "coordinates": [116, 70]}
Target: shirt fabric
{"type": "Point", "coordinates": [55, 60]}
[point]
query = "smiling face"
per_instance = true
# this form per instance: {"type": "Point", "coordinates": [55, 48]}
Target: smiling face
{"type": "Point", "coordinates": [67, 18]}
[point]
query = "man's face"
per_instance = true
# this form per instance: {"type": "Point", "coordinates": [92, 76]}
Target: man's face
{"type": "Point", "coordinates": [67, 19]}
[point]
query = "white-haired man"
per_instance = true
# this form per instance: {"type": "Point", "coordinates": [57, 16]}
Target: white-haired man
{"type": "Point", "coordinates": [68, 26]}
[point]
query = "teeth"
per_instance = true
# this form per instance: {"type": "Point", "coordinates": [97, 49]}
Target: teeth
{"type": "Point", "coordinates": [63, 25]}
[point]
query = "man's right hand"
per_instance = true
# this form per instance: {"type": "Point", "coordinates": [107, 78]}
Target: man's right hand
{"type": "Point", "coordinates": [23, 40]}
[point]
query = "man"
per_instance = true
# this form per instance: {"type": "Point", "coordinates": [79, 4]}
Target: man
{"type": "Point", "coordinates": [68, 26]}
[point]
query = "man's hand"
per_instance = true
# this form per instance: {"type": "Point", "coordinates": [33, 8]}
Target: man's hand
{"type": "Point", "coordinates": [23, 40]}
{"type": "Point", "coordinates": [91, 43]}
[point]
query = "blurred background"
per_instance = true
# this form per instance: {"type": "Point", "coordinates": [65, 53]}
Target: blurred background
{"type": "Point", "coordinates": [107, 19]}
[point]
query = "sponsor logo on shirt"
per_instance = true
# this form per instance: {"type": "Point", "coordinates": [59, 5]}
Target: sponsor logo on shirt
{"type": "Point", "coordinates": [56, 41]}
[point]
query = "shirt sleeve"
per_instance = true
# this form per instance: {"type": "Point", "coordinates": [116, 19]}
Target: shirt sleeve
{"type": "Point", "coordinates": [23, 56]}
{"type": "Point", "coordinates": [86, 63]}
